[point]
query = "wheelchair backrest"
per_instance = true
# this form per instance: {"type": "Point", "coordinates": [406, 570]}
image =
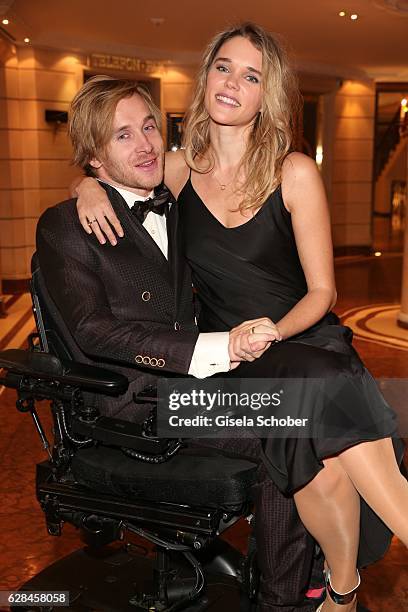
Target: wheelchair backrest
{"type": "Point", "coordinates": [54, 335]}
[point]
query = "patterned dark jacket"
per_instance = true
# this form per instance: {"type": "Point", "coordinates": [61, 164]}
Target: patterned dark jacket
{"type": "Point", "coordinates": [126, 306]}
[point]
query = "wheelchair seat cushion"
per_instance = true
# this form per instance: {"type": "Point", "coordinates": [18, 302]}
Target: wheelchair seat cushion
{"type": "Point", "coordinates": [199, 478]}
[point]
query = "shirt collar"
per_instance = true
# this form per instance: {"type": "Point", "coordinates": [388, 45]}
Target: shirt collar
{"type": "Point", "coordinates": [129, 197]}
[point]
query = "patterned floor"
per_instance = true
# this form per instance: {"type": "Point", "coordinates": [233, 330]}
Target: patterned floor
{"type": "Point", "coordinates": [18, 323]}
{"type": "Point", "coordinates": [377, 323]}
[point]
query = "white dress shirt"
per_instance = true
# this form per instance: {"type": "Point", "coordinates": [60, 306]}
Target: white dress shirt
{"type": "Point", "coordinates": [210, 354]}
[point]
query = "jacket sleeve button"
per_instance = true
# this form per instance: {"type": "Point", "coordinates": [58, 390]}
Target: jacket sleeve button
{"type": "Point", "coordinates": [146, 295]}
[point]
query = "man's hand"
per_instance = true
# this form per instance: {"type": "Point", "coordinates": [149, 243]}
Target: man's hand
{"type": "Point", "coordinates": [249, 340]}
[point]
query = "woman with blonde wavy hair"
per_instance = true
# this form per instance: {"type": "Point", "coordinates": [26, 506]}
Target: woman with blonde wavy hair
{"type": "Point", "coordinates": [256, 232]}
{"type": "Point", "coordinates": [270, 138]}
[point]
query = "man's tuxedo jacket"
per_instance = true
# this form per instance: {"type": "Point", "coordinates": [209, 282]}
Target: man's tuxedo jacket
{"type": "Point", "coordinates": [126, 305]}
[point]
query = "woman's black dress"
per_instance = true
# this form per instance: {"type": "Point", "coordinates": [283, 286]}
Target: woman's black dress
{"type": "Point", "coordinates": [252, 271]}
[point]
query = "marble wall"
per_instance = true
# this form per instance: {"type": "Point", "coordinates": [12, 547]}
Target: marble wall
{"type": "Point", "coordinates": [352, 164]}
{"type": "Point", "coordinates": [35, 168]}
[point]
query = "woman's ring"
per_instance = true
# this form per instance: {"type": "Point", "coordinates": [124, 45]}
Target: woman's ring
{"type": "Point", "coordinates": [90, 222]}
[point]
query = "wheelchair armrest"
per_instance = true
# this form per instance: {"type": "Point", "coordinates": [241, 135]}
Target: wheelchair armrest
{"type": "Point", "coordinates": [44, 366]}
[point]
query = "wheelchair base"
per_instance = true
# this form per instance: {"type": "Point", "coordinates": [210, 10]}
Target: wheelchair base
{"type": "Point", "coordinates": [104, 580]}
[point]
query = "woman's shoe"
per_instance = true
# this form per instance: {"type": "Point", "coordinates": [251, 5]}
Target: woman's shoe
{"type": "Point", "coordinates": [341, 599]}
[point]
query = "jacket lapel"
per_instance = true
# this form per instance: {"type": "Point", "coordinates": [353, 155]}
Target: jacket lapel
{"type": "Point", "coordinates": [176, 259]}
{"type": "Point", "coordinates": [172, 269]}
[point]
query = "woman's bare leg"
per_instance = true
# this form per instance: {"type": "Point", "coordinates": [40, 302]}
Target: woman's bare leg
{"type": "Point", "coordinates": [329, 507]}
{"type": "Point", "coordinates": [373, 470]}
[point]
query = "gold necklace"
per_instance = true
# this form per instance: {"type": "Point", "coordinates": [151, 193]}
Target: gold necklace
{"type": "Point", "coordinates": [223, 186]}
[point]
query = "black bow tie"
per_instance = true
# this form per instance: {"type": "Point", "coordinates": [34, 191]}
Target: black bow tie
{"type": "Point", "coordinates": [158, 204]}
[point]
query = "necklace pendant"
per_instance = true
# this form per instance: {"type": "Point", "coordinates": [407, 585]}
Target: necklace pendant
{"type": "Point", "coordinates": [223, 187]}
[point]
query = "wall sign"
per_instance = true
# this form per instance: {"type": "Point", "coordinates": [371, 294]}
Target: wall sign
{"type": "Point", "coordinates": [120, 62]}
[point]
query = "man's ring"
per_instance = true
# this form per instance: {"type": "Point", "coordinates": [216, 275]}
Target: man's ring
{"type": "Point", "coordinates": [253, 329]}
{"type": "Point", "coordinates": [90, 222]}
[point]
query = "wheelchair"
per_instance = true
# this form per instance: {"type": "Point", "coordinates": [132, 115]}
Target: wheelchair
{"type": "Point", "coordinates": [109, 478]}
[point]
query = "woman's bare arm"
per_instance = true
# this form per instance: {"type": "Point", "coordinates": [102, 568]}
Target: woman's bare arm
{"type": "Point", "coordinates": [72, 189]}
{"type": "Point", "coordinates": [95, 212]}
{"type": "Point", "coordinates": [176, 171]}
{"type": "Point", "coordinates": [304, 196]}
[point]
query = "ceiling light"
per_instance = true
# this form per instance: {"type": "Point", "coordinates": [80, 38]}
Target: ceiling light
{"type": "Point", "coordinates": [342, 14]}
{"type": "Point", "coordinates": [377, 254]}
{"type": "Point", "coordinates": [26, 40]}
{"type": "Point", "coordinates": [5, 22]}
{"type": "Point", "coordinates": [354, 17]}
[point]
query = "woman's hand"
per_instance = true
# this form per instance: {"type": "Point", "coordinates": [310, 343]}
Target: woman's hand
{"type": "Point", "coordinates": [250, 339]}
{"type": "Point", "coordinates": [96, 213]}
